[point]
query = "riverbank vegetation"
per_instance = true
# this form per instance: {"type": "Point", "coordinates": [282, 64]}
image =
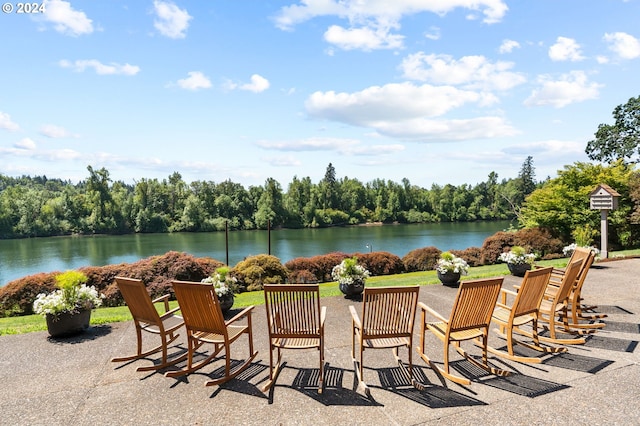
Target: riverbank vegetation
{"type": "Point", "coordinates": [39, 206]}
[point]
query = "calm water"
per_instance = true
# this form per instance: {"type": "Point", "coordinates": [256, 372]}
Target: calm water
{"type": "Point", "coordinates": [29, 256]}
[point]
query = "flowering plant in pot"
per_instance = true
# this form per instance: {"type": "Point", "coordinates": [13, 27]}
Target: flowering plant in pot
{"type": "Point", "coordinates": [351, 276]}
{"type": "Point", "coordinates": [68, 309]}
{"type": "Point", "coordinates": [518, 260]}
{"type": "Point", "coordinates": [224, 285]}
{"type": "Point", "coordinates": [450, 268]}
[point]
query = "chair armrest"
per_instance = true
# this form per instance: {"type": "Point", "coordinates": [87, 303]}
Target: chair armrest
{"type": "Point", "coordinates": [165, 299]}
{"type": "Point", "coordinates": [169, 313]}
{"type": "Point", "coordinates": [246, 311]}
{"type": "Point", "coordinates": [354, 317]}
{"type": "Point", "coordinates": [503, 306]}
{"type": "Point", "coordinates": [506, 292]}
{"type": "Point", "coordinates": [323, 315]}
{"type": "Point", "coordinates": [425, 308]}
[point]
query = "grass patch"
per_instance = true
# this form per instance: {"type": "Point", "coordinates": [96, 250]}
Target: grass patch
{"type": "Point", "coordinates": [31, 323]}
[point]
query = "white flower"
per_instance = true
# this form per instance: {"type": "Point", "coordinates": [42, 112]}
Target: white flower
{"type": "Point", "coordinates": [517, 256]}
{"type": "Point", "coordinates": [450, 263]}
{"type": "Point", "coordinates": [222, 282]}
{"type": "Point", "coordinates": [349, 271]}
{"type": "Point", "coordinates": [55, 303]}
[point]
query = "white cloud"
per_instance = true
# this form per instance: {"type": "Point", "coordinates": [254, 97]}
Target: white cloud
{"type": "Point", "coordinates": [371, 22]}
{"type": "Point", "coordinates": [6, 122]}
{"type": "Point", "coordinates": [406, 111]}
{"type": "Point", "coordinates": [195, 81]}
{"type": "Point", "coordinates": [258, 84]}
{"type": "Point", "coordinates": [565, 49]}
{"type": "Point", "coordinates": [171, 21]}
{"type": "Point", "coordinates": [26, 144]}
{"type": "Point", "coordinates": [433, 34]}
{"type": "Point", "coordinates": [569, 88]}
{"type": "Point", "coordinates": [100, 68]}
{"type": "Point", "coordinates": [624, 45]}
{"type": "Point", "coordinates": [507, 46]}
{"type": "Point", "coordinates": [363, 38]}
{"type": "Point", "coordinates": [282, 161]}
{"type": "Point", "coordinates": [473, 72]}
{"type": "Point", "coordinates": [383, 10]}
{"type": "Point", "coordinates": [55, 132]}
{"type": "Point", "coordinates": [342, 146]}
{"type": "Point", "coordinates": [65, 19]}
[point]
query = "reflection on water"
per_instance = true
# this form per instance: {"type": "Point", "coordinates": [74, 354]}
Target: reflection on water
{"type": "Point", "coordinates": [30, 256]}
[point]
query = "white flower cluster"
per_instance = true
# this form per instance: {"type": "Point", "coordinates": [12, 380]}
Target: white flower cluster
{"type": "Point", "coordinates": [568, 250]}
{"type": "Point", "coordinates": [456, 265]}
{"type": "Point", "coordinates": [348, 271]}
{"type": "Point", "coordinates": [54, 303]}
{"type": "Point", "coordinates": [221, 287]}
{"type": "Point", "coordinates": [517, 259]}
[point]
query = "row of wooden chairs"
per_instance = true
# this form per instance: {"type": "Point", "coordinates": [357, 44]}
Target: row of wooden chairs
{"type": "Point", "coordinates": [296, 320]}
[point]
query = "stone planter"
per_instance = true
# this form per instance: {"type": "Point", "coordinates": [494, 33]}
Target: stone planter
{"type": "Point", "coordinates": [450, 279]}
{"type": "Point", "coordinates": [68, 323]}
{"type": "Point", "coordinates": [518, 269]}
{"type": "Point", "coordinates": [226, 302]}
{"type": "Point", "coordinates": [354, 289]}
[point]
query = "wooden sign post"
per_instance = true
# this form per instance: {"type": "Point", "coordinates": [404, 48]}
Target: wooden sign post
{"type": "Point", "coordinates": [604, 198]}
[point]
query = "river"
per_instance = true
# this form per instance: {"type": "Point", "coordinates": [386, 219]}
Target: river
{"type": "Point", "coordinates": [30, 256]}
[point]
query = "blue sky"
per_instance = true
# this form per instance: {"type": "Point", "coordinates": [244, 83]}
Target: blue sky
{"type": "Point", "coordinates": [435, 91]}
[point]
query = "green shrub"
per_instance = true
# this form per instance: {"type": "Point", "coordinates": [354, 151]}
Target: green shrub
{"type": "Point", "coordinates": [422, 259]}
{"type": "Point", "coordinates": [255, 271]}
{"type": "Point", "coordinates": [539, 241]}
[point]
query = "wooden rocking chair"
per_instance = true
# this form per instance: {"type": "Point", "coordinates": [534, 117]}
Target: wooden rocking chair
{"type": "Point", "coordinates": [205, 323]}
{"type": "Point", "coordinates": [146, 318]}
{"type": "Point", "coordinates": [296, 321]}
{"type": "Point", "coordinates": [523, 310]}
{"type": "Point", "coordinates": [554, 304]}
{"type": "Point", "coordinates": [388, 317]}
{"type": "Point", "coordinates": [470, 318]}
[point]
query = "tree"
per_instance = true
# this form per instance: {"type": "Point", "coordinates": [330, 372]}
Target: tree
{"type": "Point", "coordinates": [621, 140]}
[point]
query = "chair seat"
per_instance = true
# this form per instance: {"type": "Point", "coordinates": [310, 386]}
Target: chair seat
{"type": "Point", "coordinates": [296, 342]}
{"type": "Point", "coordinates": [502, 315]}
{"type": "Point", "coordinates": [233, 331]}
{"type": "Point", "coordinates": [170, 323]}
{"type": "Point", "coordinates": [440, 328]}
{"type": "Point", "coordinates": [389, 342]}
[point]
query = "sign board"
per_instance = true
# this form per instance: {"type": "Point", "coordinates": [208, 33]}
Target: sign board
{"type": "Point", "coordinates": [604, 198]}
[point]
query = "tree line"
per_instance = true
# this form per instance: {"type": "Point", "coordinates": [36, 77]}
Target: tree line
{"type": "Point", "coordinates": [39, 206]}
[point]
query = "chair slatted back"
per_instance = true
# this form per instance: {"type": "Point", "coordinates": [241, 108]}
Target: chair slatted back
{"type": "Point", "coordinates": [200, 307]}
{"type": "Point", "coordinates": [588, 261]}
{"type": "Point", "coordinates": [388, 311]}
{"type": "Point", "coordinates": [293, 310]}
{"type": "Point", "coordinates": [138, 300]}
{"type": "Point", "coordinates": [531, 291]}
{"type": "Point", "coordinates": [568, 279]}
{"type": "Point", "coordinates": [474, 304]}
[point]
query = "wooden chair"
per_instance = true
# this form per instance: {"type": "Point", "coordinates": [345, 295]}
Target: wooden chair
{"type": "Point", "coordinates": [296, 321]}
{"type": "Point", "coordinates": [146, 318]}
{"type": "Point", "coordinates": [470, 318]}
{"type": "Point", "coordinates": [388, 316]}
{"type": "Point", "coordinates": [205, 323]}
{"type": "Point", "coordinates": [555, 304]}
{"type": "Point", "coordinates": [523, 310]}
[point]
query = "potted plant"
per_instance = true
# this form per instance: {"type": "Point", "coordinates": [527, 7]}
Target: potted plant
{"type": "Point", "coordinates": [518, 260]}
{"type": "Point", "coordinates": [224, 285]}
{"type": "Point", "coordinates": [351, 276]}
{"type": "Point", "coordinates": [68, 309]}
{"type": "Point", "coordinates": [450, 268]}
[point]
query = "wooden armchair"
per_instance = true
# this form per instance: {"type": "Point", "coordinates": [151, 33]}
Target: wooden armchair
{"type": "Point", "coordinates": [523, 310]}
{"type": "Point", "coordinates": [388, 316]}
{"type": "Point", "coordinates": [205, 323]}
{"type": "Point", "coordinates": [296, 321]}
{"type": "Point", "coordinates": [470, 318]}
{"type": "Point", "coordinates": [555, 303]}
{"type": "Point", "coordinates": [146, 318]}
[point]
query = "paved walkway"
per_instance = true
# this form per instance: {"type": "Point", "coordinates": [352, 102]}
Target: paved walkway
{"type": "Point", "coordinates": [72, 381]}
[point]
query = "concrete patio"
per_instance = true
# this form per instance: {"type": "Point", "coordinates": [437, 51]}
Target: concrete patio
{"type": "Point", "coordinates": [72, 381]}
